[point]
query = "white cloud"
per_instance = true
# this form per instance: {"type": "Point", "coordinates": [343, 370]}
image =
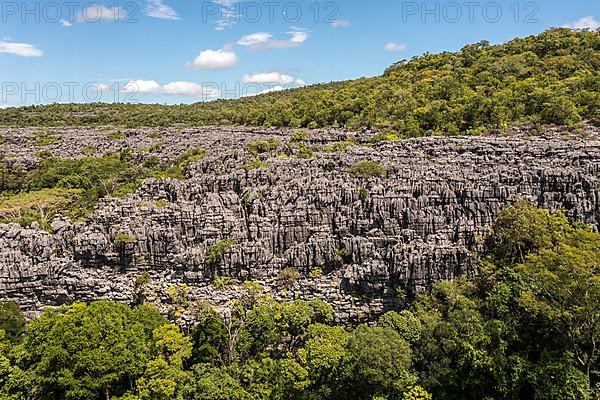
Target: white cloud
{"type": "Point", "coordinates": [95, 12]}
{"type": "Point", "coordinates": [395, 47]}
{"type": "Point", "coordinates": [584, 23]}
{"type": "Point", "coordinates": [141, 86]}
{"type": "Point", "coordinates": [272, 78]}
{"type": "Point", "coordinates": [264, 40]}
{"type": "Point", "coordinates": [340, 23]}
{"type": "Point", "coordinates": [157, 9]}
{"type": "Point", "coordinates": [214, 59]}
{"type": "Point", "coordinates": [189, 89]}
{"type": "Point", "coordinates": [255, 39]}
{"type": "Point", "coordinates": [100, 87]}
{"type": "Point", "coordinates": [273, 89]}
{"type": "Point", "coordinates": [20, 49]}
{"type": "Point", "coordinates": [228, 13]}
{"type": "Point", "coordinates": [298, 37]}
{"type": "Point", "coordinates": [174, 88]}
{"type": "Point", "coordinates": [4, 105]}
{"type": "Point", "coordinates": [66, 23]}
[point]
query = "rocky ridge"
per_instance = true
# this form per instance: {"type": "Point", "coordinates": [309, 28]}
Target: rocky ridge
{"type": "Point", "coordinates": [363, 245]}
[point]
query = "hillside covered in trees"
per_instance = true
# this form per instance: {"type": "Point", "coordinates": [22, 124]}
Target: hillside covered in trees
{"type": "Point", "coordinates": [526, 328]}
{"type": "Point", "coordinates": [551, 78]}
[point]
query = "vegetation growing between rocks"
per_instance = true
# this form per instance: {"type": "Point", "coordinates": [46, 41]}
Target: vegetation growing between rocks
{"type": "Point", "coordinates": [527, 327]}
{"type": "Point", "coordinates": [217, 250]}
{"type": "Point", "coordinates": [339, 147]}
{"type": "Point", "coordinates": [550, 78]}
{"type": "Point", "coordinates": [367, 169]}
{"type": "Point", "coordinates": [72, 187]}
{"type": "Point", "coordinates": [255, 163]}
{"type": "Point", "coordinates": [257, 147]}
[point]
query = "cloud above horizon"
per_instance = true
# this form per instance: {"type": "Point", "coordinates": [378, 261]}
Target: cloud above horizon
{"type": "Point", "coordinates": [273, 89]}
{"type": "Point", "coordinates": [272, 78]}
{"type": "Point", "coordinates": [394, 47]}
{"type": "Point", "coordinates": [588, 22]}
{"type": "Point", "coordinates": [181, 88]}
{"type": "Point", "coordinates": [265, 40]}
{"type": "Point", "coordinates": [340, 23]}
{"type": "Point", "coordinates": [214, 59]}
{"type": "Point", "coordinates": [20, 49]}
{"type": "Point", "coordinates": [158, 9]}
{"type": "Point", "coordinates": [228, 12]}
{"type": "Point", "coordinates": [95, 12]}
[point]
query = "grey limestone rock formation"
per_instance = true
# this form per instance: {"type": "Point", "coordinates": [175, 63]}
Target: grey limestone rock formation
{"type": "Point", "coordinates": [363, 245]}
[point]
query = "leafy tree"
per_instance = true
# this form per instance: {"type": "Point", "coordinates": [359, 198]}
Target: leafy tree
{"type": "Point", "coordinates": [378, 362]}
{"type": "Point", "coordinates": [405, 323]}
{"type": "Point", "coordinates": [164, 377]}
{"type": "Point", "coordinates": [209, 383]}
{"type": "Point", "coordinates": [14, 382]}
{"type": "Point", "coordinates": [209, 338]}
{"type": "Point", "coordinates": [86, 351]}
{"type": "Point", "coordinates": [12, 321]}
{"type": "Point", "coordinates": [461, 354]}
{"type": "Point", "coordinates": [367, 169]}
{"type": "Point", "coordinates": [559, 381]}
{"type": "Point", "coordinates": [217, 250]}
{"type": "Point", "coordinates": [416, 393]}
{"type": "Point", "coordinates": [257, 147]}
{"type": "Point", "coordinates": [288, 277]}
{"type": "Point", "coordinates": [322, 356]}
{"type": "Point", "coordinates": [522, 228]}
{"type": "Point", "coordinates": [564, 291]}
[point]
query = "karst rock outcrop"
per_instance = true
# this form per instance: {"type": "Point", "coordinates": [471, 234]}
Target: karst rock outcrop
{"type": "Point", "coordinates": [364, 245]}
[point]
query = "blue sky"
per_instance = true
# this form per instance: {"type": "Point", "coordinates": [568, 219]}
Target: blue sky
{"type": "Point", "coordinates": [176, 51]}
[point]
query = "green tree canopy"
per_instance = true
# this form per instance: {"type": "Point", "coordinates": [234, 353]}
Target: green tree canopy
{"type": "Point", "coordinates": [87, 351]}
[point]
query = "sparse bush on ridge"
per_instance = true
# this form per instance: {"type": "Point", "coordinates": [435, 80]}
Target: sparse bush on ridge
{"type": "Point", "coordinates": [367, 169]}
{"type": "Point", "coordinates": [260, 146]}
{"type": "Point", "coordinates": [255, 163]}
{"type": "Point", "coordinates": [217, 250]}
{"type": "Point", "coordinates": [338, 147]}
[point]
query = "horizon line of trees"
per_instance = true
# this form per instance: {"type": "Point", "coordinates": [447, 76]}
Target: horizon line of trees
{"type": "Point", "coordinates": [550, 78]}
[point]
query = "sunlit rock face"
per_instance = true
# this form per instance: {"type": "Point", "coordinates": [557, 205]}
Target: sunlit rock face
{"type": "Point", "coordinates": [364, 245]}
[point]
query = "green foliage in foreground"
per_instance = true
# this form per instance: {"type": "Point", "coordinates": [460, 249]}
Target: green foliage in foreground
{"type": "Point", "coordinates": [527, 327]}
{"type": "Point", "coordinates": [550, 78]}
{"type": "Point", "coordinates": [12, 321]}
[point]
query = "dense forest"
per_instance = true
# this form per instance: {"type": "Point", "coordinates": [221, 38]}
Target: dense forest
{"type": "Point", "coordinates": [551, 78]}
{"type": "Point", "coordinates": [527, 327]}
